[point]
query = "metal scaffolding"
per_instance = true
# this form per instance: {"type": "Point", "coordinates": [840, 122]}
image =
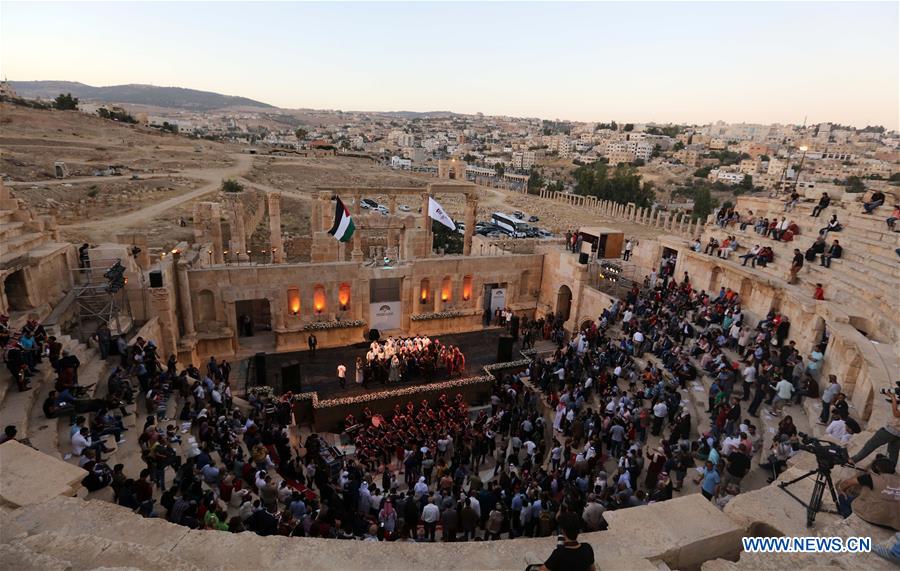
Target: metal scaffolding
{"type": "Point", "coordinates": [95, 304]}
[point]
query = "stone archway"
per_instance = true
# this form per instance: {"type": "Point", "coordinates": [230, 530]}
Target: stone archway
{"type": "Point", "coordinates": [564, 302]}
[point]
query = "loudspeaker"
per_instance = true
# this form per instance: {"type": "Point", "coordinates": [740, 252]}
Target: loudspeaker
{"type": "Point", "coordinates": [504, 349]}
{"type": "Point", "coordinates": [156, 278]}
{"type": "Point", "coordinates": [374, 335]}
{"type": "Point", "coordinates": [514, 327]}
{"type": "Point", "coordinates": [259, 364]}
{"type": "Point", "coordinates": [290, 378]}
{"type": "Point", "coordinates": [583, 258]}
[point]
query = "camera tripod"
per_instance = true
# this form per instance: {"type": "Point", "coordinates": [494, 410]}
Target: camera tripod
{"type": "Point", "coordinates": [823, 478]}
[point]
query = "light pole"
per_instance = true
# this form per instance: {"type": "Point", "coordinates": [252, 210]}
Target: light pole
{"type": "Point", "coordinates": [800, 166]}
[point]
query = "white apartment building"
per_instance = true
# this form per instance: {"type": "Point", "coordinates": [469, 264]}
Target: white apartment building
{"type": "Point", "coordinates": [399, 163]}
{"type": "Point", "coordinates": [523, 160]}
{"type": "Point", "coordinates": [728, 177]}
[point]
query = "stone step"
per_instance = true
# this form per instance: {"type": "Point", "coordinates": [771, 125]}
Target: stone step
{"type": "Point", "coordinates": [49, 435]}
{"type": "Point", "coordinates": [10, 230]}
{"type": "Point", "coordinates": [6, 215]}
{"type": "Point", "coordinates": [82, 551]}
{"type": "Point", "coordinates": [21, 245]}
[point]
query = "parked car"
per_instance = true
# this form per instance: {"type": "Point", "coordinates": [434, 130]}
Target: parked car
{"type": "Point", "coordinates": [519, 214]}
{"type": "Point", "coordinates": [544, 233]}
{"type": "Point", "coordinates": [404, 208]}
{"type": "Point", "coordinates": [368, 203]}
{"type": "Point", "coordinates": [533, 218]}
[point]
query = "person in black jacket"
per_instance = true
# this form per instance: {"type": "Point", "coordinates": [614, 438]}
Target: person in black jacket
{"type": "Point", "coordinates": [824, 201]}
{"type": "Point", "coordinates": [835, 251]}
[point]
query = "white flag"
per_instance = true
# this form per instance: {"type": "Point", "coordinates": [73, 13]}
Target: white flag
{"type": "Point", "coordinates": [437, 212]}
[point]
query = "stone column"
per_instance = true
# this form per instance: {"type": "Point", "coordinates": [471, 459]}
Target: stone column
{"type": "Point", "coordinates": [357, 254]}
{"type": "Point", "coordinates": [238, 242]}
{"type": "Point", "coordinates": [471, 208]}
{"type": "Point", "coordinates": [426, 225]}
{"type": "Point", "coordinates": [275, 242]}
{"type": "Point", "coordinates": [185, 308]}
{"type": "Point", "coordinates": [208, 228]}
{"type": "Point", "coordinates": [168, 325]}
{"type": "Point", "coordinates": [392, 204]}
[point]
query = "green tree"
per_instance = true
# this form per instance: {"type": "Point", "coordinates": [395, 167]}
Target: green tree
{"type": "Point", "coordinates": [702, 172]}
{"type": "Point", "coordinates": [678, 146]}
{"type": "Point", "coordinates": [657, 150]}
{"type": "Point", "coordinates": [628, 127]}
{"type": "Point", "coordinates": [764, 158]}
{"type": "Point", "coordinates": [747, 183]}
{"type": "Point", "coordinates": [855, 185]}
{"type": "Point", "coordinates": [231, 185]}
{"type": "Point", "coordinates": [703, 203]}
{"type": "Point", "coordinates": [535, 181]}
{"type": "Point", "coordinates": [449, 240]}
{"type": "Point", "coordinates": [621, 184]}
{"type": "Point", "coordinates": [499, 169]}
{"type": "Point", "coordinates": [301, 133]}
{"type": "Point", "coordinates": [895, 177]}
{"type": "Point", "coordinates": [65, 102]}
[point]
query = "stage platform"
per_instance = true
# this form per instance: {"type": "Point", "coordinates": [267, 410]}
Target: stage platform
{"type": "Point", "coordinates": [319, 374]}
{"type": "Point", "coordinates": [321, 404]}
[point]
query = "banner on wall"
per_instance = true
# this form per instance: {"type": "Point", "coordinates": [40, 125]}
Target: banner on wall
{"type": "Point", "coordinates": [385, 315]}
{"type": "Point", "coordinates": [498, 298]}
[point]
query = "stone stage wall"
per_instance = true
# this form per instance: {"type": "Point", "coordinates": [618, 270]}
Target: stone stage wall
{"type": "Point", "coordinates": [327, 415]}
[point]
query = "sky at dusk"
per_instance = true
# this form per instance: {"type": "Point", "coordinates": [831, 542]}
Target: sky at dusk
{"type": "Point", "coordinates": [641, 61]}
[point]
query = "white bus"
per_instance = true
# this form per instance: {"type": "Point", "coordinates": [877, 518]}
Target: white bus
{"type": "Point", "coordinates": [510, 224]}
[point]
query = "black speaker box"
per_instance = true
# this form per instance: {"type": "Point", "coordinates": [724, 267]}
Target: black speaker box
{"type": "Point", "coordinates": [514, 327]}
{"type": "Point", "coordinates": [504, 348]}
{"type": "Point", "coordinates": [259, 365]}
{"type": "Point", "coordinates": [583, 258]}
{"type": "Point", "coordinates": [290, 378]}
{"type": "Point", "coordinates": [156, 278]}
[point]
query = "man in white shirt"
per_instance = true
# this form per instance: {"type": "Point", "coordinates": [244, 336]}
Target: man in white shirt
{"type": "Point", "coordinates": [342, 375]}
{"type": "Point", "coordinates": [430, 515]}
{"type": "Point", "coordinates": [638, 339]}
{"type": "Point", "coordinates": [660, 411]}
{"type": "Point", "coordinates": [838, 429]}
{"type": "Point", "coordinates": [783, 392]}
{"type": "Point", "coordinates": [749, 374]}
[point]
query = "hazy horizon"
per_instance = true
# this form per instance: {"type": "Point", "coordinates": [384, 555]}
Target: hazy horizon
{"type": "Point", "coordinates": [673, 62]}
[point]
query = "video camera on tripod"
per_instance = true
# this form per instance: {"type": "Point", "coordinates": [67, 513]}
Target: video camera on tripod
{"type": "Point", "coordinates": [828, 454]}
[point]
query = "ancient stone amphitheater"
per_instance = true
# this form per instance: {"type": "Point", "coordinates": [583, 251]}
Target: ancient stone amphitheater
{"type": "Point", "coordinates": [49, 522]}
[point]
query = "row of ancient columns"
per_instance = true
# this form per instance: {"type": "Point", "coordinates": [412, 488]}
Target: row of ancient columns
{"type": "Point", "coordinates": [239, 238]}
{"type": "Point", "coordinates": [679, 223]}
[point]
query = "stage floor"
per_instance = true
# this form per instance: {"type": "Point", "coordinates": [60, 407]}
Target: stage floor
{"type": "Point", "coordinates": [320, 373]}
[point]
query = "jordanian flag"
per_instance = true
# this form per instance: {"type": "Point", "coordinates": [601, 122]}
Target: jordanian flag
{"type": "Point", "coordinates": [343, 227]}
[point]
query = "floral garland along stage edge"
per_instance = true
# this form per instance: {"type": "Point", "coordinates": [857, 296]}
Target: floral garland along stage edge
{"type": "Point", "coordinates": [436, 315]}
{"type": "Point", "coordinates": [402, 392]}
{"type": "Point", "coordinates": [323, 325]}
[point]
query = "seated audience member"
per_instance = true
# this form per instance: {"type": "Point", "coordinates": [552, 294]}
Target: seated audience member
{"type": "Point", "coordinates": [834, 252]}
{"type": "Point", "coordinates": [833, 226]}
{"type": "Point", "coordinates": [824, 201]}
{"type": "Point", "coordinates": [876, 200]}
{"type": "Point", "coordinates": [892, 219]}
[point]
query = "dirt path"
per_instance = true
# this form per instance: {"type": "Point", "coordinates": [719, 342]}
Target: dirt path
{"type": "Point", "coordinates": [213, 177]}
{"type": "Point", "coordinates": [87, 179]}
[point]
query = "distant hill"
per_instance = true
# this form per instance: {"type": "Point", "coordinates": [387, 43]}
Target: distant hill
{"type": "Point", "coordinates": [419, 114]}
{"type": "Point", "coordinates": [135, 94]}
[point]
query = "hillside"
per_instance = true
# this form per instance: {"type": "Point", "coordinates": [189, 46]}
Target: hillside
{"type": "Point", "coordinates": [135, 94]}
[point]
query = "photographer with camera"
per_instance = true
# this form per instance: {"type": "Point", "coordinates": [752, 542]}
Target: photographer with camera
{"type": "Point", "coordinates": [871, 496]}
{"type": "Point", "coordinates": [889, 434]}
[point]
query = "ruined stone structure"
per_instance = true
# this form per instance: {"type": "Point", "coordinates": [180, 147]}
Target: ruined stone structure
{"type": "Point", "coordinates": [34, 265]}
{"type": "Point", "coordinates": [195, 308]}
